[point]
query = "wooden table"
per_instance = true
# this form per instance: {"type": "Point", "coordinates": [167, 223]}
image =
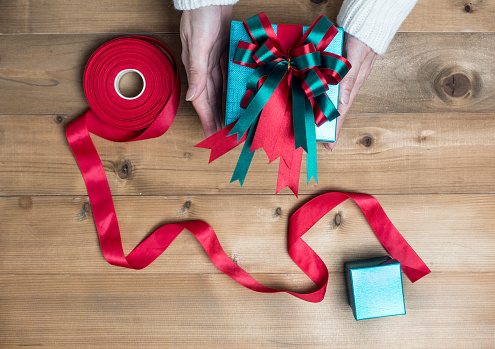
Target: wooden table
{"type": "Point", "coordinates": [420, 138]}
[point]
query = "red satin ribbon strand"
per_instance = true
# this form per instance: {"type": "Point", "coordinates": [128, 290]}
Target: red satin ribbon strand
{"type": "Point", "coordinates": [320, 118]}
{"type": "Point", "coordinates": [270, 122]}
{"type": "Point", "coordinates": [288, 176]}
{"type": "Point", "coordinates": [327, 38]}
{"type": "Point", "coordinates": [121, 120]}
{"type": "Point", "coordinates": [159, 120]}
{"type": "Point", "coordinates": [220, 143]}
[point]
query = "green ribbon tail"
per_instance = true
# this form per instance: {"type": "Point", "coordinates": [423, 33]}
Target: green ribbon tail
{"type": "Point", "coordinates": [246, 156]}
{"type": "Point", "coordinates": [327, 107]}
{"type": "Point", "coordinates": [260, 99]}
{"type": "Point", "coordinates": [311, 155]}
{"type": "Point", "coordinates": [299, 114]}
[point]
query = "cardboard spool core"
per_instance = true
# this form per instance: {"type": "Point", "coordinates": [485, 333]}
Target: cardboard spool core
{"type": "Point", "coordinates": [130, 84]}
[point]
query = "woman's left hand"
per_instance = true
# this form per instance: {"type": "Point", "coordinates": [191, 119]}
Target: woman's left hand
{"type": "Point", "coordinates": [361, 58]}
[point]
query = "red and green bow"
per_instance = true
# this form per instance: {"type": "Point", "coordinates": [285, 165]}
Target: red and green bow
{"type": "Point", "coordinates": [286, 96]}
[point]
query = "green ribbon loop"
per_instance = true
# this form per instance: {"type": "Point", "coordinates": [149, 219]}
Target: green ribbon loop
{"type": "Point", "coordinates": [244, 56]}
{"type": "Point", "coordinates": [333, 63]}
{"type": "Point", "coordinates": [326, 106]}
{"type": "Point", "coordinates": [265, 55]}
{"type": "Point", "coordinates": [319, 30]}
{"type": "Point", "coordinates": [257, 29]}
{"type": "Point", "coordinates": [261, 71]}
{"type": "Point", "coordinates": [307, 61]}
{"type": "Point", "coordinates": [314, 83]}
{"type": "Point", "coordinates": [260, 99]}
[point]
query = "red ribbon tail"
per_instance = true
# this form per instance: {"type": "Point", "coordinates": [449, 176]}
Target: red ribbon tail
{"type": "Point", "coordinates": [289, 176]}
{"type": "Point", "coordinates": [270, 123]}
{"type": "Point", "coordinates": [221, 143]}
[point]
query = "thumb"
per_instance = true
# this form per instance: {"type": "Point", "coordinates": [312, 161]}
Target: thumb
{"type": "Point", "coordinates": [347, 84]}
{"type": "Point", "coordinates": [197, 75]}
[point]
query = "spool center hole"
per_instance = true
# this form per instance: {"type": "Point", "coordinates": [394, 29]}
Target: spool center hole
{"type": "Point", "coordinates": [131, 84]}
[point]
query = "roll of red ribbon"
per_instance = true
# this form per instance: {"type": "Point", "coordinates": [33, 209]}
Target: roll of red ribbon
{"type": "Point", "coordinates": [150, 114]}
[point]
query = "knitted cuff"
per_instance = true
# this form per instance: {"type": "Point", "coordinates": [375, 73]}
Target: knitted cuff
{"type": "Point", "coordinates": [374, 22]}
{"type": "Point", "coordinates": [193, 4]}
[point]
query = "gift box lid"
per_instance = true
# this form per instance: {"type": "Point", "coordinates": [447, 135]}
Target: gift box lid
{"type": "Point", "coordinates": [374, 288]}
{"type": "Point", "coordinates": [238, 75]}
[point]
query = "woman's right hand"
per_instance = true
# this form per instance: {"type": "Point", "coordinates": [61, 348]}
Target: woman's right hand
{"type": "Point", "coordinates": [205, 36]}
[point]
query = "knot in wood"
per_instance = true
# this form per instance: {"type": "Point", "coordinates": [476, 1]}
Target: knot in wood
{"type": "Point", "coordinates": [337, 220]}
{"type": "Point", "coordinates": [59, 119]}
{"type": "Point", "coordinates": [187, 155]}
{"type": "Point", "coordinates": [367, 141]}
{"type": "Point", "coordinates": [317, 1]}
{"type": "Point", "coordinates": [278, 211]}
{"type": "Point", "coordinates": [467, 8]}
{"type": "Point", "coordinates": [87, 207]}
{"type": "Point", "coordinates": [124, 169]}
{"type": "Point", "coordinates": [187, 205]}
{"type": "Point", "coordinates": [456, 85]}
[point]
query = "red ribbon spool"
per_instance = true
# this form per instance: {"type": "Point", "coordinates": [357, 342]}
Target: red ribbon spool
{"type": "Point", "coordinates": [150, 115]}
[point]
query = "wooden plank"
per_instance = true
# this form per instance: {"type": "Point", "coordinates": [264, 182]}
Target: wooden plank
{"type": "Point", "coordinates": [42, 74]}
{"type": "Point", "coordinates": [58, 16]}
{"type": "Point", "coordinates": [396, 153]}
{"type": "Point", "coordinates": [443, 310]}
{"type": "Point", "coordinates": [53, 79]}
{"type": "Point", "coordinates": [56, 235]}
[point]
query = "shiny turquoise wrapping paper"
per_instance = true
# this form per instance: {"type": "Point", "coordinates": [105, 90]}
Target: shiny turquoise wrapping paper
{"type": "Point", "coordinates": [374, 288]}
{"type": "Point", "coordinates": [238, 75]}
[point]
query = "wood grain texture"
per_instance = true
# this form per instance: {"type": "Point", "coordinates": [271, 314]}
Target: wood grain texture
{"type": "Point", "coordinates": [390, 153]}
{"type": "Point", "coordinates": [211, 311]}
{"type": "Point", "coordinates": [60, 16]}
{"type": "Point", "coordinates": [42, 74]}
{"type": "Point", "coordinates": [420, 135]}
{"type": "Point", "coordinates": [453, 233]}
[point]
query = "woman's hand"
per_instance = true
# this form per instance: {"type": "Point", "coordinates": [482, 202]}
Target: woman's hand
{"type": "Point", "coordinates": [205, 35]}
{"type": "Point", "coordinates": [361, 58]}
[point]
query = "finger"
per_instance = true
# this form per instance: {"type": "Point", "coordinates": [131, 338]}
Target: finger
{"type": "Point", "coordinates": [340, 122]}
{"type": "Point", "coordinates": [185, 56]}
{"type": "Point", "coordinates": [347, 83]}
{"type": "Point", "coordinates": [214, 95]}
{"type": "Point", "coordinates": [197, 73]}
{"type": "Point", "coordinates": [203, 108]}
{"type": "Point", "coordinates": [224, 66]}
{"type": "Point", "coordinates": [344, 109]}
{"type": "Point", "coordinates": [216, 75]}
{"type": "Point", "coordinates": [366, 67]}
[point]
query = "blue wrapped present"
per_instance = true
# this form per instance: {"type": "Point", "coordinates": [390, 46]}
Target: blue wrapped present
{"type": "Point", "coordinates": [286, 77]}
{"type": "Point", "coordinates": [374, 288]}
{"type": "Point", "coordinates": [238, 76]}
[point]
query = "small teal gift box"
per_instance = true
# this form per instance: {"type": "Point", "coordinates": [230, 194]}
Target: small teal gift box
{"type": "Point", "coordinates": [238, 77]}
{"type": "Point", "coordinates": [374, 288]}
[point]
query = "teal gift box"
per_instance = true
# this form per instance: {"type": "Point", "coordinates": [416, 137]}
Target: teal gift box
{"type": "Point", "coordinates": [374, 288]}
{"type": "Point", "coordinates": [238, 76]}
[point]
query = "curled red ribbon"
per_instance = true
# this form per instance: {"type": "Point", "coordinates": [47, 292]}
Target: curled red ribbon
{"type": "Point", "coordinates": [150, 115]}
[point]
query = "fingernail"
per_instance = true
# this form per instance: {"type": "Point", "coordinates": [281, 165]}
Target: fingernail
{"type": "Point", "coordinates": [345, 98]}
{"type": "Point", "coordinates": [190, 93]}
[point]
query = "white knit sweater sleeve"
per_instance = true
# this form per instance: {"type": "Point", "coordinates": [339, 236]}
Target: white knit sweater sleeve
{"type": "Point", "coordinates": [374, 22]}
{"type": "Point", "coordinates": [193, 4]}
